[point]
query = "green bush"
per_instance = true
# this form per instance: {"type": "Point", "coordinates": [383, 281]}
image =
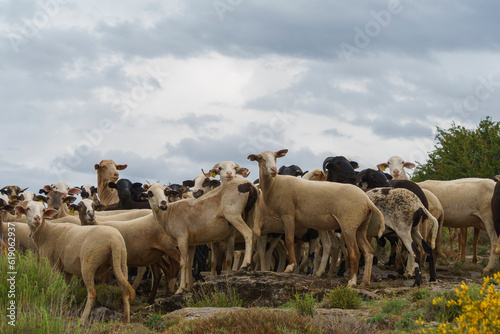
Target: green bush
{"type": "Point", "coordinates": [306, 305]}
{"type": "Point", "coordinates": [343, 297]}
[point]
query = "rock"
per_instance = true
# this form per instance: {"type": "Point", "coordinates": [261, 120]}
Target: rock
{"type": "Point", "coordinates": [103, 314]}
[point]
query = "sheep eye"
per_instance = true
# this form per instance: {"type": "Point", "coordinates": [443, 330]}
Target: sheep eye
{"type": "Point", "coordinates": [150, 193]}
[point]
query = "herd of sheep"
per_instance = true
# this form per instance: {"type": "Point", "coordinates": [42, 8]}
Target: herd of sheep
{"type": "Point", "coordinates": [120, 224]}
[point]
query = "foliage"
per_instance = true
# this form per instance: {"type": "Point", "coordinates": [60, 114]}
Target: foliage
{"type": "Point", "coordinates": [343, 297]}
{"type": "Point", "coordinates": [43, 300]}
{"type": "Point", "coordinates": [462, 152]}
{"type": "Point", "coordinates": [306, 305]}
{"type": "Point", "coordinates": [217, 299]}
{"type": "Point", "coordinates": [474, 311]}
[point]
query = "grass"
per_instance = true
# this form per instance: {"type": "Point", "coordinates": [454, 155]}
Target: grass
{"type": "Point", "coordinates": [46, 304]}
{"type": "Point", "coordinates": [42, 298]}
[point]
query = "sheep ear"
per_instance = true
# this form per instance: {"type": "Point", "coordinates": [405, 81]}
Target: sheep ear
{"type": "Point", "coordinates": [253, 157]}
{"type": "Point", "coordinates": [409, 165]}
{"type": "Point", "coordinates": [354, 164]}
{"type": "Point", "coordinates": [243, 171]}
{"type": "Point", "coordinates": [72, 208]}
{"type": "Point", "coordinates": [146, 187]}
{"type": "Point", "coordinates": [143, 195]}
{"type": "Point", "coordinates": [121, 167]}
{"type": "Point", "coordinates": [281, 153]}
{"type": "Point", "coordinates": [49, 213]}
{"type": "Point", "coordinates": [383, 166]}
{"type": "Point", "coordinates": [188, 183]}
{"type": "Point", "coordinates": [40, 198]}
{"type": "Point", "coordinates": [96, 166]}
{"type": "Point", "coordinates": [20, 209]}
{"type": "Point", "coordinates": [74, 191]}
{"type": "Point", "coordinates": [69, 199]}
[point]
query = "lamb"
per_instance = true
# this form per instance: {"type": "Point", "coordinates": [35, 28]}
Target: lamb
{"type": "Point", "coordinates": [145, 240]}
{"type": "Point", "coordinates": [318, 205]}
{"type": "Point", "coordinates": [207, 219]}
{"type": "Point", "coordinates": [107, 171]}
{"type": "Point", "coordinates": [84, 251]}
{"type": "Point", "coordinates": [467, 202]}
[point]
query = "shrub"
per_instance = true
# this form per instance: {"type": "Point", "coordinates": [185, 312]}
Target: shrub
{"type": "Point", "coordinates": [343, 297]}
{"type": "Point", "coordinates": [477, 310]}
{"type": "Point", "coordinates": [305, 305]}
{"type": "Point", "coordinates": [216, 299]}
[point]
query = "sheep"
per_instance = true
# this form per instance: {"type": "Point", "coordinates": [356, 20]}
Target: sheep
{"type": "Point", "coordinates": [201, 184]}
{"type": "Point", "coordinates": [318, 205]}
{"type": "Point", "coordinates": [84, 251]}
{"type": "Point", "coordinates": [467, 202]}
{"type": "Point", "coordinates": [397, 167]}
{"type": "Point", "coordinates": [292, 170]}
{"type": "Point", "coordinates": [403, 211]}
{"type": "Point", "coordinates": [127, 194]}
{"type": "Point", "coordinates": [21, 231]}
{"type": "Point", "coordinates": [145, 240]}
{"type": "Point", "coordinates": [107, 171]}
{"type": "Point", "coordinates": [340, 169]}
{"type": "Point", "coordinates": [58, 200]}
{"type": "Point", "coordinates": [89, 191]}
{"type": "Point", "coordinates": [315, 174]}
{"type": "Point", "coordinates": [207, 219]}
{"type": "Point", "coordinates": [12, 192]}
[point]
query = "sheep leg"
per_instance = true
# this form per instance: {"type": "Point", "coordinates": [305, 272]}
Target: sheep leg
{"type": "Point", "coordinates": [88, 279]}
{"type": "Point", "coordinates": [138, 279]}
{"type": "Point", "coordinates": [247, 234]}
{"type": "Point", "coordinates": [185, 266]}
{"type": "Point", "coordinates": [367, 250]}
{"type": "Point", "coordinates": [353, 251]}
{"type": "Point", "coordinates": [474, 245]}
{"type": "Point", "coordinates": [411, 265]}
{"type": "Point", "coordinates": [189, 272]}
{"type": "Point", "coordinates": [156, 282]}
{"type": "Point", "coordinates": [462, 242]}
{"type": "Point", "coordinates": [289, 226]}
{"type": "Point", "coordinates": [281, 250]}
{"type": "Point", "coordinates": [327, 248]}
{"type": "Point", "coordinates": [417, 237]}
{"type": "Point", "coordinates": [261, 251]}
{"type": "Point", "coordinates": [335, 254]}
{"type": "Point", "coordinates": [273, 245]}
{"type": "Point", "coordinates": [230, 255]}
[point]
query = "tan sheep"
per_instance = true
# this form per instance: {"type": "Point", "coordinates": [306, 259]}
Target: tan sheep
{"type": "Point", "coordinates": [84, 251]}
{"type": "Point", "coordinates": [319, 205]}
{"type": "Point", "coordinates": [145, 240]}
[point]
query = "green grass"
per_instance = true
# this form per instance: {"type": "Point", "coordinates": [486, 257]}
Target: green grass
{"type": "Point", "coordinates": [343, 297]}
{"type": "Point", "coordinates": [43, 301]}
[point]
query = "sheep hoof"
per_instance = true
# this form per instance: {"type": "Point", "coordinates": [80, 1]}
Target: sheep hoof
{"type": "Point", "coordinates": [290, 268]}
{"type": "Point", "coordinates": [245, 268]}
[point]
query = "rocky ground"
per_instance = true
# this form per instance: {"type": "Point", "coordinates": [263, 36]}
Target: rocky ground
{"type": "Point", "coordinates": [271, 289]}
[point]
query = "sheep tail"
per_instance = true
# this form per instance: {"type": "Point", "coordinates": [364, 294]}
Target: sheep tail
{"type": "Point", "coordinates": [380, 215]}
{"type": "Point", "coordinates": [435, 227]}
{"type": "Point", "coordinates": [119, 259]}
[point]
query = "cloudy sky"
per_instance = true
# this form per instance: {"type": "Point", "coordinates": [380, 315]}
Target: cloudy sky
{"type": "Point", "coordinates": [170, 87]}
